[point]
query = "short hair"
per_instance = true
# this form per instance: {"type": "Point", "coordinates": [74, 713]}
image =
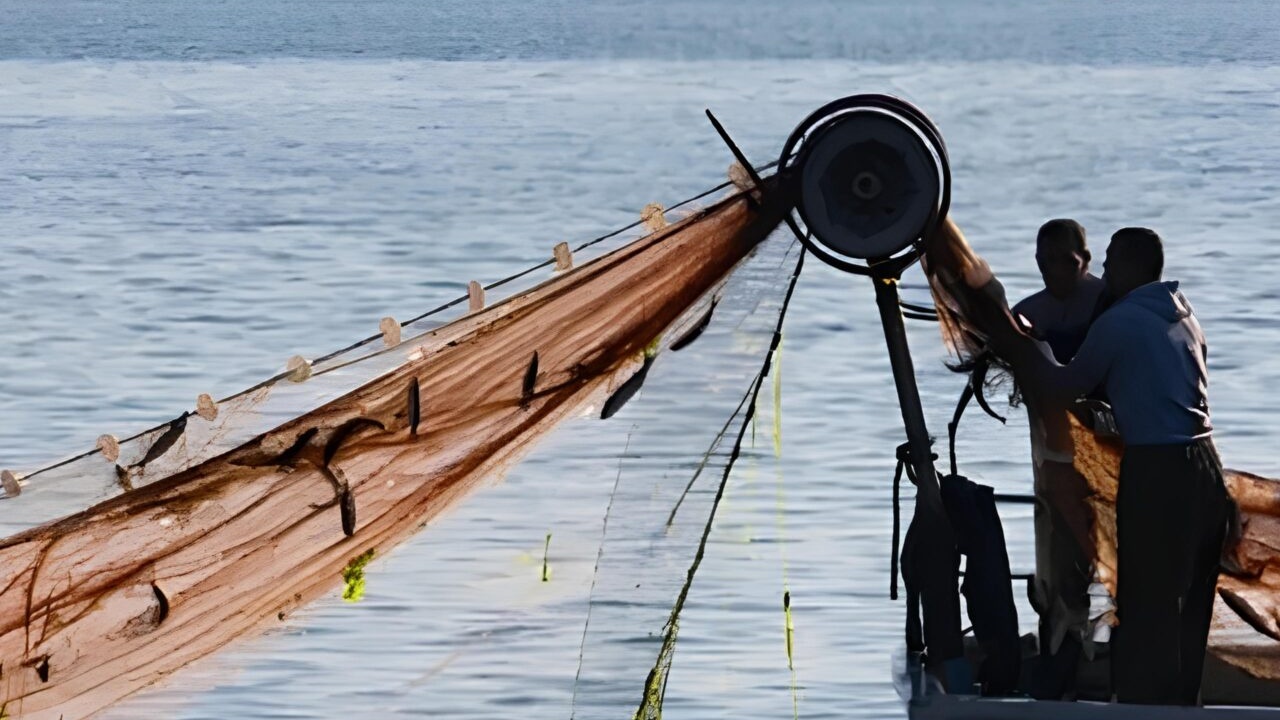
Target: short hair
{"type": "Point", "coordinates": [1067, 232]}
{"type": "Point", "coordinates": [1142, 246]}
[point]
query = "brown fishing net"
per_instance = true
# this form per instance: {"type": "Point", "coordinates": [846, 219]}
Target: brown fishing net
{"type": "Point", "coordinates": [121, 565]}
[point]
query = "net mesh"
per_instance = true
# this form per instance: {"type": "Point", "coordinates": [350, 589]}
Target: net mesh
{"type": "Point", "coordinates": [201, 530]}
{"type": "Point", "coordinates": [193, 437]}
{"type": "Point", "coordinates": [670, 481]}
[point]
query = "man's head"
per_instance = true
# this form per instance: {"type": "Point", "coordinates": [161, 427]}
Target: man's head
{"type": "Point", "coordinates": [1135, 257]}
{"type": "Point", "coordinates": [1063, 256]}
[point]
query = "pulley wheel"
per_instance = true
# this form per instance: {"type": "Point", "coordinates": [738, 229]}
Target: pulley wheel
{"type": "Point", "coordinates": [870, 176]}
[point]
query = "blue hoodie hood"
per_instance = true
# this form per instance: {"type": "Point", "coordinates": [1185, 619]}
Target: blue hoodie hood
{"type": "Point", "coordinates": [1161, 298]}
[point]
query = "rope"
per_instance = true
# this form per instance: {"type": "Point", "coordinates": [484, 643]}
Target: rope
{"type": "Point", "coordinates": [897, 532]}
{"type": "Point", "coordinates": [656, 682]}
{"type": "Point", "coordinates": [919, 316]}
{"type": "Point", "coordinates": [922, 309]}
{"type": "Point", "coordinates": [595, 575]}
{"type": "Point", "coordinates": [965, 396]}
{"type": "Point", "coordinates": [360, 343]}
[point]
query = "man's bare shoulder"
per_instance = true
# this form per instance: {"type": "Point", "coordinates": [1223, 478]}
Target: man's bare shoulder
{"type": "Point", "coordinates": [1032, 304]}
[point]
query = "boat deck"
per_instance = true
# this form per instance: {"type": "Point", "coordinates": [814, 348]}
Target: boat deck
{"type": "Point", "coordinates": [1229, 693]}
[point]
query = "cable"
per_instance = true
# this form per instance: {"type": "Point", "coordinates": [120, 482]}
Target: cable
{"type": "Point", "coordinates": [457, 301]}
{"type": "Point", "coordinates": [595, 575]}
{"type": "Point", "coordinates": [656, 682]}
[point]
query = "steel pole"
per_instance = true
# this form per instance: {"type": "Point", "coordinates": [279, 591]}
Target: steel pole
{"type": "Point", "coordinates": [904, 378]}
{"type": "Point", "coordinates": [933, 559]}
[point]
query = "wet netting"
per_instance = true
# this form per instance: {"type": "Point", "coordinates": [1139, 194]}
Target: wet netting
{"type": "Point", "coordinates": [212, 427]}
{"type": "Point", "coordinates": [671, 479]}
{"type": "Point", "coordinates": [120, 565]}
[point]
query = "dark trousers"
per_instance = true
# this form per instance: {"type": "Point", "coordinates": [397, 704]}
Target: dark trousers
{"type": "Point", "coordinates": [1171, 517]}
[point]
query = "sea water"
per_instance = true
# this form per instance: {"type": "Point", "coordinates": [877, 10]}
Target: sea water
{"type": "Point", "coordinates": [192, 193]}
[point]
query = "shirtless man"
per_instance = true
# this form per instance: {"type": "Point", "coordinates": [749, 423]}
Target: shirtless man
{"type": "Point", "coordinates": [1060, 313]}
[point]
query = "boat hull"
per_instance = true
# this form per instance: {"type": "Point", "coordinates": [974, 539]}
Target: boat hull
{"type": "Point", "coordinates": [925, 699]}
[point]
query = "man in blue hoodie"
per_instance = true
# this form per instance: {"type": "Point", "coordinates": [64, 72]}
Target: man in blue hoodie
{"type": "Point", "coordinates": [1148, 353]}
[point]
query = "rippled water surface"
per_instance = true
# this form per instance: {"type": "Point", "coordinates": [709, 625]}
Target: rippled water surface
{"type": "Point", "coordinates": [189, 198]}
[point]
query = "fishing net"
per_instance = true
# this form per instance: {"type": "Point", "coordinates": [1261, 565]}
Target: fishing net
{"type": "Point", "coordinates": [671, 478]}
{"type": "Point", "coordinates": [212, 427]}
{"type": "Point", "coordinates": [165, 546]}
{"type": "Point", "coordinates": [525, 595]}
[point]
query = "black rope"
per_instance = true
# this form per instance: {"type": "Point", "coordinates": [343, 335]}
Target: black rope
{"type": "Point", "coordinates": [897, 530]}
{"type": "Point", "coordinates": [753, 392]}
{"type": "Point", "coordinates": [919, 316]}
{"type": "Point", "coordinates": [965, 396]}
{"type": "Point", "coordinates": [973, 390]}
{"type": "Point", "coordinates": [452, 303]}
{"type": "Point", "coordinates": [702, 464]}
{"type": "Point", "coordinates": [1014, 499]}
{"type": "Point", "coordinates": [1024, 576]}
{"type": "Point", "coordinates": [903, 455]}
{"type": "Point", "coordinates": [923, 309]}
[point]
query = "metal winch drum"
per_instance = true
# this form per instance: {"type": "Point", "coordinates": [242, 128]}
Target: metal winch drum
{"type": "Point", "coordinates": [870, 177]}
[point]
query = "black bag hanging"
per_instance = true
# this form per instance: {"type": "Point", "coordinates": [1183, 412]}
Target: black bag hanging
{"type": "Point", "coordinates": [988, 582]}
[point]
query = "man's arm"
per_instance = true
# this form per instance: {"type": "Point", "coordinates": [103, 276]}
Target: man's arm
{"type": "Point", "coordinates": [1034, 363]}
{"type": "Point", "coordinates": [968, 279]}
{"type": "Point", "coordinates": [1085, 372]}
